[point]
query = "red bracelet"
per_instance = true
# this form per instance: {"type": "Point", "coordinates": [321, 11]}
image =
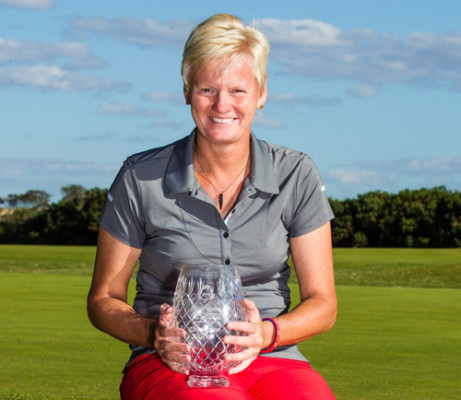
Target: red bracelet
{"type": "Point", "coordinates": [277, 336]}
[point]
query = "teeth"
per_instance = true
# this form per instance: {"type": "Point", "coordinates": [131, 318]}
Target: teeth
{"type": "Point", "coordinates": [222, 120]}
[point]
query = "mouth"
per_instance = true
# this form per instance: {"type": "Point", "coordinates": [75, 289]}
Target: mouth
{"type": "Point", "coordinates": [224, 121]}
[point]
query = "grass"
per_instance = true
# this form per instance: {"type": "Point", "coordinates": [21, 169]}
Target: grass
{"type": "Point", "coordinates": [432, 268]}
{"type": "Point", "coordinates": [68, 260]}
{"type": "Point", "coordinates": [49, 349]}
{"type": "Point", "coordinates": [392, 343]}
{"type": "Point", "coordinates": [395, 338]}
{"type": "Point", "coordinates": [428, 268]}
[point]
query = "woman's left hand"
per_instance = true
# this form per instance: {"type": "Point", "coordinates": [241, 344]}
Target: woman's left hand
{"type": "Point", "coordinates": [251, 341]}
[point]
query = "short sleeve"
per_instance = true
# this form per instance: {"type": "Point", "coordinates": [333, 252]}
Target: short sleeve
{"type": "Point", "coordinates": [122, 215]}
{"type": "Point", "coordinates": [311, 206]}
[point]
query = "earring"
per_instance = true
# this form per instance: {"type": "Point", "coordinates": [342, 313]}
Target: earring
{"type": "Point", "coordinates": [261, 106]}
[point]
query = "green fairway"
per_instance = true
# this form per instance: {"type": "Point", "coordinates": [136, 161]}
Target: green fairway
{"type": "Point", "coordinates": [390, 342]}
{"type": "Point", "coordinates": [49, 349]}
{"type": "Point", "coordinates": [365, 266]}
{"type": "Point", "coordinates": [429, 268]}
{"type": "Point", "coordinates": [68, 260]}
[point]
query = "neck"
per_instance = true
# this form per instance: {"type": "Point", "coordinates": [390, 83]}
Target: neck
{"type": "Point", "coordinates": [221, 174]}
{"type": "Point", "coordinates": [221, 159]}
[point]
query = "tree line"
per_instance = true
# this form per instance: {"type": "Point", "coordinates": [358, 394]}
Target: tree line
{"type": "Point", "coordinates": [410, 218]}
{"type": "Point", "coordinates": [30, 219]}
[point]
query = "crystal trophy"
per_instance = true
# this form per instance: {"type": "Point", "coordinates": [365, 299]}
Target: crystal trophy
{"type": "Point", "coordinates": [206, 298]}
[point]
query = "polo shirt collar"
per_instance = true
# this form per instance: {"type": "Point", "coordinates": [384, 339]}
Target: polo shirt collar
{"type": "Point", "coordinates": [262, 174]}
{"type": "Point", "coordinates": [180, 178]}
{"type": "Point", "coordinates": [179, 175]}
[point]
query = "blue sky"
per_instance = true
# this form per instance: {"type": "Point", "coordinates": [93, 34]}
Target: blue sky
{"type": "Point", "coordinates": [371, 90]}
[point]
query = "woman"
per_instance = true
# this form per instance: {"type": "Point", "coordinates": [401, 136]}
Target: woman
{"type": "Point", "coordinates": [218, 196]}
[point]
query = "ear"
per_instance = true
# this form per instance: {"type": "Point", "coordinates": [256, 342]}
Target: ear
{"type": "Point", "coordinates": [263, 95]}
{"type": "Point", "coordinates": [186, 97]}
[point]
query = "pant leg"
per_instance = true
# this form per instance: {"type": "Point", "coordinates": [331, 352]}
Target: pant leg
{"type": "Point", "coordinates": [278, 378]}
{"type": "Point", "coordinates": [148, 378]}
{"type": "Point", "coordinates": [267, 378]}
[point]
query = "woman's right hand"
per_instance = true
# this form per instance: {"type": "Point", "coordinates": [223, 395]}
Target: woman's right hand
{"type": "Point", "coordinates": [168, 344]}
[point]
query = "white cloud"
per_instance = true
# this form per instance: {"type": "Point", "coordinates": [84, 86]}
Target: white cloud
{"type": "Point", "coordinates": [15, 51]}
{"type": "Point", "coordinates": [52, 66]}
{"type": "Point", "coordinates": [97, 137]}
{"type": "Point", "coordinates": [288, 99]}
{"type": "Point", "coordinates": [18, 167]}
{"type": "Point", "coordinates": [125, 109]}
{"type": "Point", "coordinates": [302, 33]}
{"type": "Point", "coordinates": [165, 123]}
{"type": "Point", "coordinates": [142, 32]}
{"type": "Point", "coordinates": [28, 4]}
{"type": "Point", "coordinates": [445, 165]}
{"type": "Point", "coordinates": [20, 175]}
{"type": "Point", "coordinates": [164, 97]}
{"type": "Point", "coordinates": [265, 122]}
{"type": "Point", "coordinates": [353, 176]}
{"type": "Point", "coordinates": [425, 172]}
{"type": "Point", "coordinates": [95, 24]}
{"type": "Point", "coordinates": [363, 90]}
{"type": "Point", "coordinates": [318, 50]}
{"type": "Point", "coordinates": [57, 78]}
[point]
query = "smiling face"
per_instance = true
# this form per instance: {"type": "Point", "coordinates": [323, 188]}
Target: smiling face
{"type": "Point", "coordinates": [223, 104]}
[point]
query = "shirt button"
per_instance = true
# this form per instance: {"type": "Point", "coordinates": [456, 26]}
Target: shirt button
{"type": "Point", "coordinates": [226, 234]}
{"type": "Point", "coordinates": [227, 262]}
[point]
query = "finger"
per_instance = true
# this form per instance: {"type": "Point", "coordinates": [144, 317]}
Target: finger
{"type": "Point", "coordinates": [237, 359]}
{"type": "Point", "coordinates": [165, 314]}
{"type": "Point", "coordinates": [180, 368]}
{"type": "Point", "coordinates": [249, 304]}
{"type": "Point", "coordinates": [166, 309]}
{"type": "Point", "coordinates": [170, 339]}
{"type": "Point", "coordinates": [243, 341]}
{"type": "Point", "coordinates": [251, 310]}
{"type": "Point", "coordinates": [167, 345]}
{"type": "Point", "coordinates": [242, 326]}
{"type": "Point", "coordinates": [175, 356]}
{"type": "Point", "coordinates": [173, 332]}
{"type": "Point", "coordinates": [171, 352]}
{"type": "Point", "coordinates": [241, 360]}
{"type": "Point", "coordinates": [240, 367]}
{"type": "Point", "coordinates": [250, 335]}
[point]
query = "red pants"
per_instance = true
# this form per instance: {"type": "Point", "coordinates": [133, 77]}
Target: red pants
{"type": "Point", "coordinates": [267, 378]}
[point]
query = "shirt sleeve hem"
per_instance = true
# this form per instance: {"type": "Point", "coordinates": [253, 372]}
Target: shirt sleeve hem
{"type": "Point", "coordinates": [123, 238]}
{"type": "Point", "coordinates": [313, 226]}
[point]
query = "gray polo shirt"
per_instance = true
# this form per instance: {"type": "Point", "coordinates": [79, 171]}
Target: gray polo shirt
{"type": "Point", "coordinates": [156, 204]}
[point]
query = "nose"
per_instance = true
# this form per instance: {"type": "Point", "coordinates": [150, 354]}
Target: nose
{"type": "Point", "coordinates": [222, 102]}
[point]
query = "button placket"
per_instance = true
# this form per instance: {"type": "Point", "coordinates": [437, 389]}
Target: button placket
{"type": "Point", "coordinates": [226, 246]}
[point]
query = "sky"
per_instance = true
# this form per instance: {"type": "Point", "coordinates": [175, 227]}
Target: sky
{"type": "Point", "coordinates": [370, 89]}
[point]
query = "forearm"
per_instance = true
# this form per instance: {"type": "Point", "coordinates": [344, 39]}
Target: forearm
{"type": "Point", "coordinates": [316, 313]}
{"type": "Point", "coordinates": [118, 319]}
{"type": "Point", "coordinates": [311, 317]}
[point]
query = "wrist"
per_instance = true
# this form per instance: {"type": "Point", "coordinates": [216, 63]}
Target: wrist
{"type": "Point", "coordinates": [275, 337]}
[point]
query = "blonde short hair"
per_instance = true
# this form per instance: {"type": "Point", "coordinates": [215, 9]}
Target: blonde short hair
{"type": "Point", "coordinates": [224, 39]}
